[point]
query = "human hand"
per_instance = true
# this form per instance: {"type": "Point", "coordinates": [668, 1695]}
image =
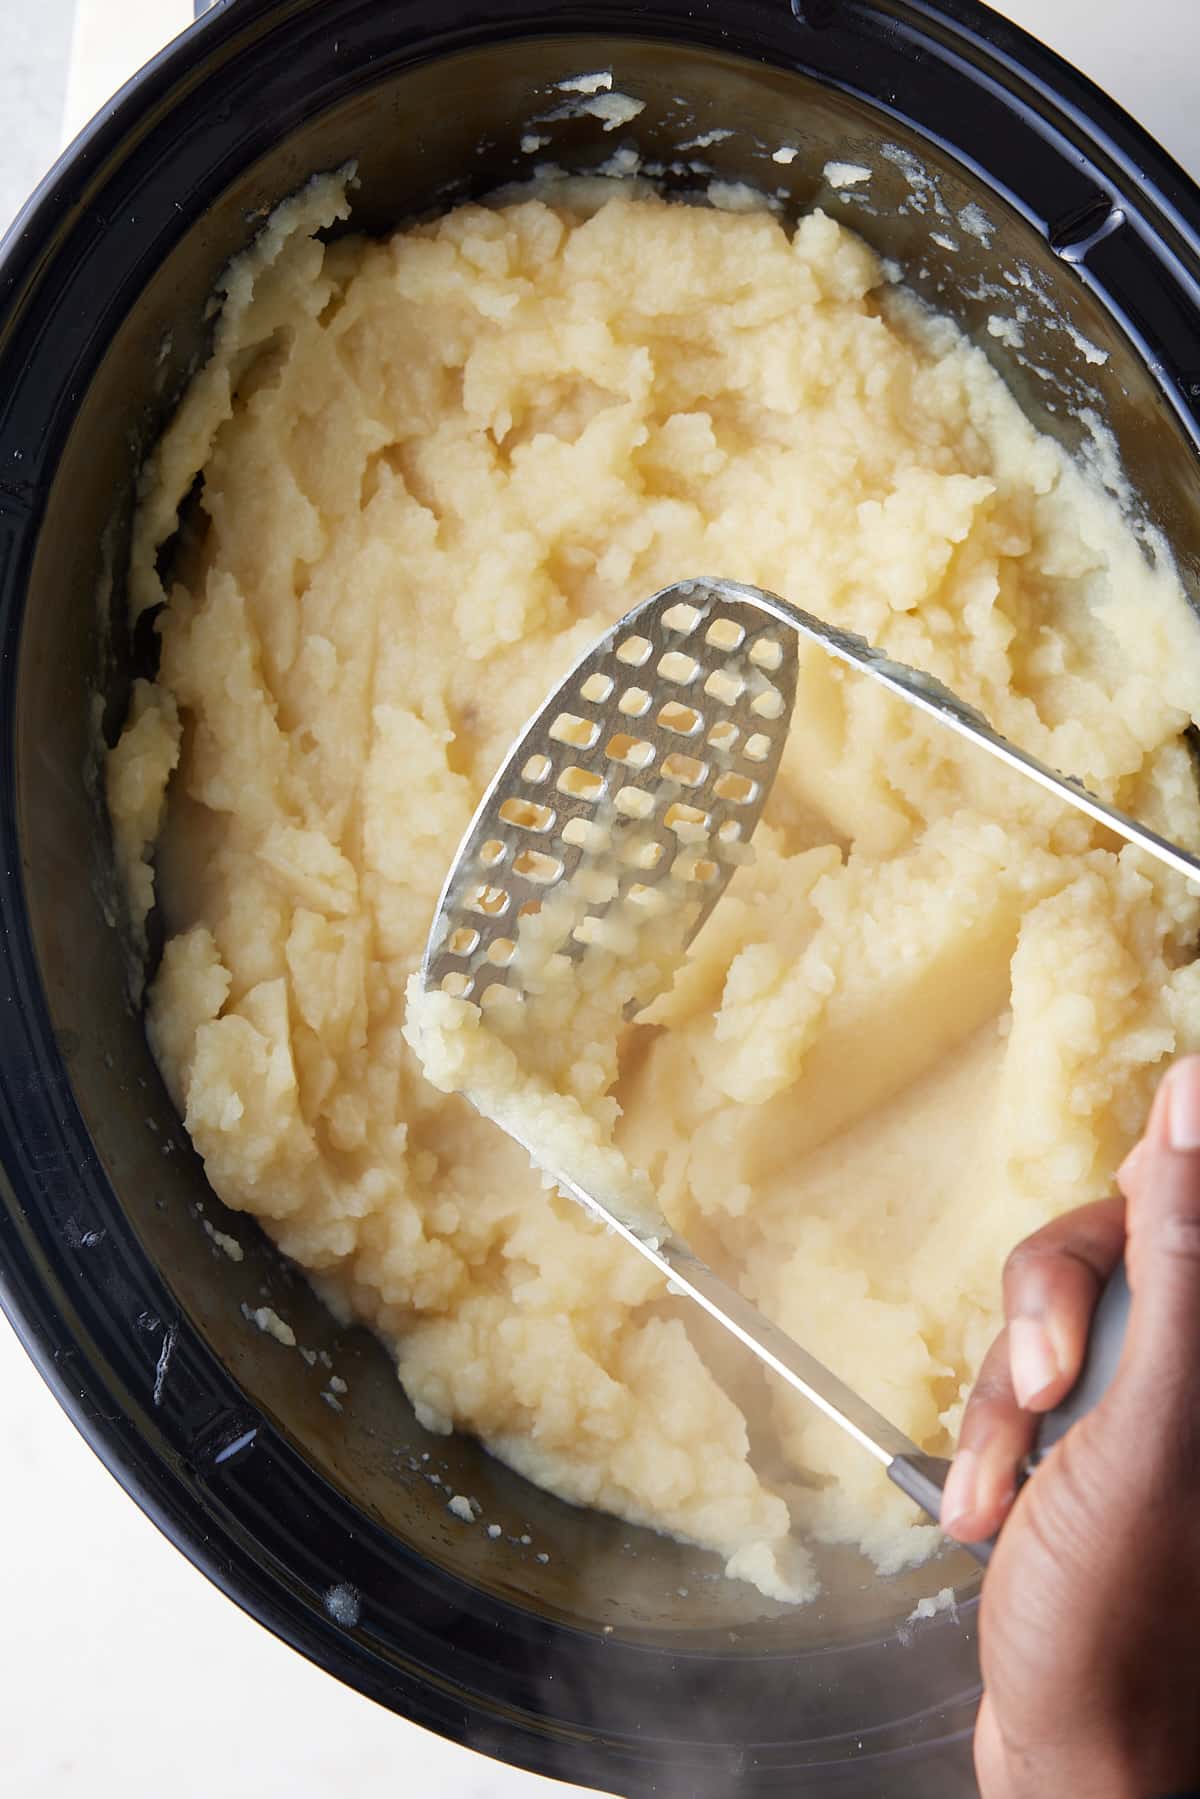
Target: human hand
{"type": "Point", "coordinates": [1090, 1617]}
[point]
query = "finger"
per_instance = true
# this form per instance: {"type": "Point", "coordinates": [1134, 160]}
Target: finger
{"type": "Point", "coordinates": [1132, 1169]}
{"type": "Point", "coordinates": [1164, 1235]}
{"type": "Point", "coordinates": [1131, 1173]}
{"type": "Point", "coordinates": [991, 1761]}
{"type": "Point", "coordinates": [1051, 1284]}
{"type": "Point", "coordinates": [994, 1440]}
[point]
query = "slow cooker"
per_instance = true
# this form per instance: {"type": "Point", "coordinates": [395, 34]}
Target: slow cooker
{"type": "Point", "coordinates": [575, 1644]}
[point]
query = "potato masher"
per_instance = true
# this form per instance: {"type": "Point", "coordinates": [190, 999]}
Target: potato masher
{"type": "Point", "coordinates": [664, 741]}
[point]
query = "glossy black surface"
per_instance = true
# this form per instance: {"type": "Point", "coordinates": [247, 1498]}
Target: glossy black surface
{"type": "Point", "coordinates": [220, 1433]}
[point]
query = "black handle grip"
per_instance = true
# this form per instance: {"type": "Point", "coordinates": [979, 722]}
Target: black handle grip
{"type": "Point", "coordinates": [923, 1477]}
{"type": "Point", "coordinates": [1100, 1364]}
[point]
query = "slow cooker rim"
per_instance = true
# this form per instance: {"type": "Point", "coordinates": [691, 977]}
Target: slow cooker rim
{"type": "Point", "coordinates": [1013, 52]}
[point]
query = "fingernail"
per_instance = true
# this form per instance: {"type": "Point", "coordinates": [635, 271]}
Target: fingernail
{"type": "Point", "coordinates": [1128, 1171]}
{"type": "Point", "coordinates": [958, 1496]}
{"type": "Point", "coordinates": [1032, 1360]}
{"type": "Point", "coordinates": [1183, 1105]}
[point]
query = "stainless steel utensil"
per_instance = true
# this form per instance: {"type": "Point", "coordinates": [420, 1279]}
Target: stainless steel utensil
{"type": "Point", "coordinates": [652, 763]}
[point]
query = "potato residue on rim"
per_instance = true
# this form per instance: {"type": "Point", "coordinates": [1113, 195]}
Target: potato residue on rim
{"type": "Point", "coordinates": [926, 1019]}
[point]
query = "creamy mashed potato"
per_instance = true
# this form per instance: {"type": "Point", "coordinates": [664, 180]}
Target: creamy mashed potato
{"type": "Point", "coordinates": [926, 1019]}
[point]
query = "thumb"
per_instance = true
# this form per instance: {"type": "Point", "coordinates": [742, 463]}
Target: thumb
{"type": "Point", "coordinates": [1163, 1223]}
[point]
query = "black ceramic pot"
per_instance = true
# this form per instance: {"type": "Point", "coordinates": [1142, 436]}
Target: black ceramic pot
{"type": "Point", "coordinates": [326, 1526]}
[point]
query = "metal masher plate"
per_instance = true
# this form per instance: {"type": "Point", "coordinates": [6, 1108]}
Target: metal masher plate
{"type": "Point", "coordinates": [654, 757]}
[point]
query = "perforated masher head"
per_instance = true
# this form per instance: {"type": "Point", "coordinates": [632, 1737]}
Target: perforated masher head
{"type": "Point", "coordinates": [651, 762]}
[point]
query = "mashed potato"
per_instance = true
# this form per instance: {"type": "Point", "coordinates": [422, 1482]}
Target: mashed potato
{"type": "Point", "coordinates": [926, 1019]}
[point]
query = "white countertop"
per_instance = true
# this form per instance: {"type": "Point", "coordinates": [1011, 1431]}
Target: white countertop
{"type": "Point", "coordinates": [126, 1676]}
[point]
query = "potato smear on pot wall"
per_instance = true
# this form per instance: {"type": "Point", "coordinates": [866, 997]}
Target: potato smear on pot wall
{"type": "Point", "coordinates": [927, 1017]}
